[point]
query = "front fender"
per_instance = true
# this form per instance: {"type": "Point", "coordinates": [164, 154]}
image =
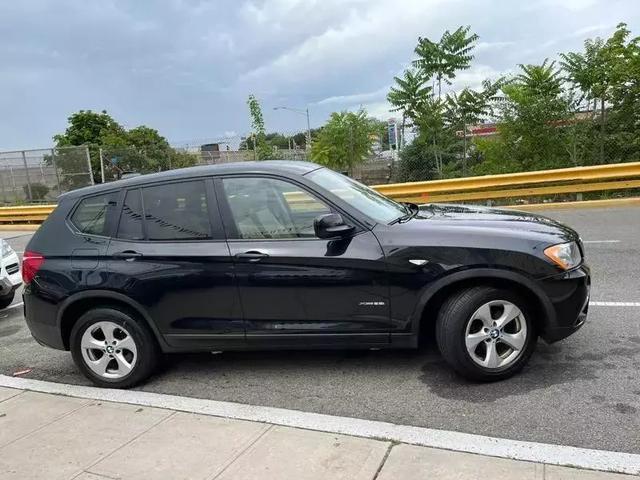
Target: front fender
{"type": "Point", "coordinates": [430, 291]}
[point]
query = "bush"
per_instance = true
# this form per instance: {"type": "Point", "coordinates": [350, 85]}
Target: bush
{"type": "Point", "coordinates": [416, 162]}
{"type": "Point", "coordinates": [38, 191]}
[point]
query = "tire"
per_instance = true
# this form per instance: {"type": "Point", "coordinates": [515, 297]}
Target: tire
{"type": "Point", "coordinates": [113, 367]}
{"type": "Point", "coordinates": [476, 315]}
{"type": "Point", "coordinates": [6, 300]}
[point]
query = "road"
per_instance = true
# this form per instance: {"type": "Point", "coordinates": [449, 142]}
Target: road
{"type": "Point", "coordinates": [583, 391]}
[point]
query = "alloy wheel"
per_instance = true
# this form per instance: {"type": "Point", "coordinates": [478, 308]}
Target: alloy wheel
{"type": "Point", "coordinates": [109, 350]}
{"type": "Point", "coordinates": [496, 334]}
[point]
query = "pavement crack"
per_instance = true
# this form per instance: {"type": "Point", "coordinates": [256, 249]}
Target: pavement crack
{"type": "Point", "coordinates": [384, 459]}
{"type": "Point", "coordinates": [242, 452]}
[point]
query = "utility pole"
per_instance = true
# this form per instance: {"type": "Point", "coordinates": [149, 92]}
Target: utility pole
{"type": "Point", "coordinates": [304, 112]}
{"type": "Point", "coordinates": [308, 129]}
{"type": "Point", "coordinates": [464, 140]}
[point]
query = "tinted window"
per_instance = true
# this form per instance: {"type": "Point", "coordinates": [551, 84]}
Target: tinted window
{"type": "Point", "coordinates": [176, 211]}
{"type": "Point", "coordinates": [382, 209]}
{"type": "Point", "coordinates": [91, 215]}
{"type": "Point", "coordinates": [130, 227]}
{"type": "Point", "coordinates": [270, 208]}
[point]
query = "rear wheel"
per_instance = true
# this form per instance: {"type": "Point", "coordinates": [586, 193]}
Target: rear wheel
{"type": "Point", "coordinates": [112, 349]}
{"type": "Point", "coordinates": [486, 333]}
{"type": "Point", "coordinates": [6, 300]}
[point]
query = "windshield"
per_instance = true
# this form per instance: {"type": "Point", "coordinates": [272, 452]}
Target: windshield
{"type": "Point", "coordinates": [365, 199]}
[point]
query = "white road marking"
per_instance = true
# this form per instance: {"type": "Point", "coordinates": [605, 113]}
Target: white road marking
{"type": "Point", "coordinates": [614, 304]}
{"type": "Point", "coordinates": [15, 305]}
{"type": "Point", "coordinates": [601, 241]}
{"type": "Point", "coordinates": [462, 442]}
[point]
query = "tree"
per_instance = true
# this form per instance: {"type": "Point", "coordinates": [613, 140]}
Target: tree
{"type": "Point", "coordinates": [38, 191]}
{"type": "Point", "coordinates": [88, 128]}
{"type": "Point", "coordinates": [380, 131]}
{"type": "Point", "coordinates": [344, 141]}
{"type": "Point", "coordinates": [416, 162]}
{"type": "Point", "coordinates": [409, 96]}
{"type": "Point", "coordinates": [602, 72]}
{"type": "Point", "coordinates": [141, 149]}
{"type": "Point", "coordinates": [444, 58]}
{"type": "Point", "coordinates": [262, 149]}
{"type": "Point", "coordinates": [441, 61]}
{"type": "Point", "coordinates": [85, 128]}
{"type": "Point", "coordinates": [533, 117]}
{"type": "Point", "coordinates": [462, 109]}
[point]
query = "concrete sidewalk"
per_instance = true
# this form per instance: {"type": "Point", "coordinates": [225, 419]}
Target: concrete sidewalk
{"type": "Point", "coordinates": [58, 437]}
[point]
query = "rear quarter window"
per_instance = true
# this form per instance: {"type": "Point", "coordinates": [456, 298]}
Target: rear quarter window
{"type": "Point", "coordinates": [91, 214]}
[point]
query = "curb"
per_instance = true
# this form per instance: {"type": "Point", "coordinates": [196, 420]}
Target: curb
{"type": "Point", "coordinates": [561, 455]}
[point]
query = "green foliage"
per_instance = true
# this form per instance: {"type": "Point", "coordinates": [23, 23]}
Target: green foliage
{"type": "Point", "coordinates": [38, 191]}
{"type": "Point", "coordinates": [262, 149]}
{"type": "Point", "coordinates": [279, 140]}
{"type": "Point", "coordinates": [582, 111]}
{"type": "Point", "coordinates": [141, 149]}
{"type": "Point", "coordinates": [438, 61]}
{"type": "Point", "coordinates": [446, 57]}
{"type": "Point", "coordinates": [417, 162]}
{"type": "Point", "coordinates": [88, 128]}
{"type": "Point", "coordinates": [532, 118]}
{"type": "Point", "coordinates": [345, 140]}
{"type": "Point", "coordinates": [409, 94]}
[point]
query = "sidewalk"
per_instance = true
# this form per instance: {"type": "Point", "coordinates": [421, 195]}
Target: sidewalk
{"type": "Point", "coordinates": [57, 437]}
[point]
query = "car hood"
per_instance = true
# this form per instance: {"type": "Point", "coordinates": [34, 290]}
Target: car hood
{"type": "Point", "coordinates": [501, 221]}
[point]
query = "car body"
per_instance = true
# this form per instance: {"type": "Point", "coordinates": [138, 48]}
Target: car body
{"type": "Point", "coordinates": [10, 278]}
{"type": "Point", "coordinates": [276, 255]}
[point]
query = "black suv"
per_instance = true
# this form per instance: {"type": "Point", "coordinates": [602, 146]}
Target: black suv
{"type": "Point", "coordinates": [284, 255]}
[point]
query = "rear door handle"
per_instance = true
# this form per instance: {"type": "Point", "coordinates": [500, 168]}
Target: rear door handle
{"type": "Point", "coordinates": [128, 255]}
{"type": "Point", "coordinates": [252, 256]}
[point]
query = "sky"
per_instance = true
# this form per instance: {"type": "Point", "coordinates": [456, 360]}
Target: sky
{"type": "Point", "coordinates": [186, 67]}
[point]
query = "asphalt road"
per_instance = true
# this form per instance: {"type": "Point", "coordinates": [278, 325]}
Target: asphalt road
{"type": "Point", "coordinates": [583, 391]}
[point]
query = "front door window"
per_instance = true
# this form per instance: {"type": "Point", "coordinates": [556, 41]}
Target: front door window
{"type": "Point", "coordinates": [267, 208]}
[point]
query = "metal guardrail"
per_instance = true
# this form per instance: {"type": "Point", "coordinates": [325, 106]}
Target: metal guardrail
{"type": "Point", "coordinates": [25, 214]}
{"type": "Point", "coordinates": [565, 180]}
{"type": "Point", "coordinates": [511, 185]}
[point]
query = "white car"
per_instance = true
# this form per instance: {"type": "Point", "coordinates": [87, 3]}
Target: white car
{"type": "Point", "coordinates": [10, 278]}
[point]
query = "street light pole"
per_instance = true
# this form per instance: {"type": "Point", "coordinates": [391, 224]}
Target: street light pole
{"type": "Point", "coordinates": [301, 112]}
{"type": "Point", "coordinates": [308, 130]}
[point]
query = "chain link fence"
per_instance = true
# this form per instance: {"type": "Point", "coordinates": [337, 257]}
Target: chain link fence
{"type": "Point", "coordinates": [39, 176]}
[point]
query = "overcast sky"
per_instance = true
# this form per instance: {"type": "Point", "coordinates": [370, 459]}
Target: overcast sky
{"type": "Point", "coordinates": [185, 67]}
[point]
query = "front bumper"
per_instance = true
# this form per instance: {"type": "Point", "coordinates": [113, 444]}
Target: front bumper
{"type": "Point", "coordinates": [568, 293]}
{"type": "Point", "coordinates": [10, 277]}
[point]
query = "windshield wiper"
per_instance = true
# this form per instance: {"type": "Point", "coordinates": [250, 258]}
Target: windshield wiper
{"type": "Point", "coordinates": [412, 211]}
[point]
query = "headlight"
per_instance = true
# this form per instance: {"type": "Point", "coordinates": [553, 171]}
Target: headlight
{"type": "Point", "coordinates": [565, 255]}
{"type": "Point", "coordinates": [6, 249]}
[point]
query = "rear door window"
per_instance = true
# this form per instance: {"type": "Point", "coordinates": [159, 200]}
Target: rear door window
{"type": "Point", "coordinates": [92, 214]}
{"type": "Point", "coordinates": [130, 226]}
{"type": "Point", "coordinates": [177, 211]}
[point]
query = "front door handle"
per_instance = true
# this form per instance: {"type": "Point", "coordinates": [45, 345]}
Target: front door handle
{"type": "Point", "coordinates": [128, 255]}
{"type": "Point", "coordinates": [252, 256]}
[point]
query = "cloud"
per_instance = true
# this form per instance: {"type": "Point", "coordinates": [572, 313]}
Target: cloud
{"type": "Point", "coordinates": [355, 98]}
{"type": "Point", "coordinates": [482, 46]}
{"type": "Point", "coordinates": [358, 38]}
{"type": "Point", "coordinates": [185, 67]}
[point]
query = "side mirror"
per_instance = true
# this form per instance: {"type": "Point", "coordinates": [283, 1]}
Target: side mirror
{"type": "Point", "coordinates": [331, 225]}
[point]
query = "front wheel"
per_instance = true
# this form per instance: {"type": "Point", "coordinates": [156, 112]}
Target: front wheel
{"type": "Point", "coordinates": [113, 349]}
{"type": "Point", "coordinates": [486, 333]}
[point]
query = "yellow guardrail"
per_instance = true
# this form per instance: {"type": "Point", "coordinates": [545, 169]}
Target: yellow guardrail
{"type": "Point", "coordinates": [617, 176]}
{"type": "Point", "coordinates": [25, 214]}
{"type": "Point", "coordinates": [489, 187]}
